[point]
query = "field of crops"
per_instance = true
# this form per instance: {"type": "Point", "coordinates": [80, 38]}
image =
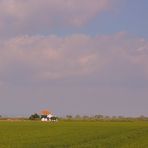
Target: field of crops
{"type": "Point", "coordinates": [73, 134]}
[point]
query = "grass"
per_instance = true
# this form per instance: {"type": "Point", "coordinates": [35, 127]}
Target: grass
{"type": "Point", "coordinates": [73, 134]}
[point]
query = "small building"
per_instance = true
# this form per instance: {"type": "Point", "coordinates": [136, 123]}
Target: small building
{"type": "Point", "coordinates": [47, 116]}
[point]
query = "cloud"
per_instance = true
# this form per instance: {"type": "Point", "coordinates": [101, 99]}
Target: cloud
{"type": "Point", "coordinates": [29, 16]}
{"type": "Point", "coordinates": [48, 57]}
{"type": "Point", "coordinates": [37, 58]}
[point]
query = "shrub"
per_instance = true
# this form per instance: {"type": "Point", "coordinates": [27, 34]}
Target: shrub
{"type": "Point", "coordinates": [34, 116]}
{"type": "Point", "coordinates": [53, 118]}
{"type": "Point", "coordinates": [43, 116]}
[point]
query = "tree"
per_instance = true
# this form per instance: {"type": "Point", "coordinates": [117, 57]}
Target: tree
{"type": "Point", "coordinates": [98, 116]}
{"type": "Point", "coordinates": [53, 118]}
{"type": "Point", "coordinates": [34, 116]}
{"type": "Point", "coordinates": [86, 117]}
{"type": "Point", "coordinates": [69, 116]}
{"type": "Point", "coordinates": [43, 116]}
{"type": "Point", "coordinates": [77, 117]}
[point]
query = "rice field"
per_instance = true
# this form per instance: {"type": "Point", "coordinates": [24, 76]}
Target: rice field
{"type": "Point", "coordinates": [73, 134]}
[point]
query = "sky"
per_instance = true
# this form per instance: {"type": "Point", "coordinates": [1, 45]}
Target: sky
{"type": "Point", "coordinates": [83, 57]}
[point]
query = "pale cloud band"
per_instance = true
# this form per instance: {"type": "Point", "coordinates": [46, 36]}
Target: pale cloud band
{"type": "Point", "coordinates": [24, 16]}
{"type": "Point", "coordinates": [52, 57]}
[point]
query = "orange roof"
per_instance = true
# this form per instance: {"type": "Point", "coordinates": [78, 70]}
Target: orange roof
{"type": "Point", "coordinates": [45, 112]}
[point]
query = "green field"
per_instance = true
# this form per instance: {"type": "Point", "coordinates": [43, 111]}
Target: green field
{"type": "Point", "coordinates": [73, 134]}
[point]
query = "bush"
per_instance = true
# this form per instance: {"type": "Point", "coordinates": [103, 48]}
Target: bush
{"type": "Point", "coordinates": [53, 118]}
{"type": "Point", "coordinates": [69, 117]}
{"type": "Point", "coordinates": [43, 116]}
{"type": "Point", "coordinates": [34, 116]}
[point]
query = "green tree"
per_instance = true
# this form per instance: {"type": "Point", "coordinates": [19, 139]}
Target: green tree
{"type": "Point", "coordinates": [34, 116]}
{"type": "Point", "coordinates": [69, 117]}
{"type": "Point", "coordinates": [53, 118]}
{"type": "Point", "coordinates": [43, 116]}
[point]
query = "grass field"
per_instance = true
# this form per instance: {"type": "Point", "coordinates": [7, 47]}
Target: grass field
{"type": "Point", "coordinates": [73, 134]}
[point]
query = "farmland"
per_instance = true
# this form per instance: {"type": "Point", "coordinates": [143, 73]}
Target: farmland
{"type": "Point", "coordinates": [73, 134]}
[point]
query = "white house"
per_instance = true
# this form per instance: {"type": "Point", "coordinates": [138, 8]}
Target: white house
{"type": "Point", "coordinates": [44, 119]}
{"type": "Point", "coordinates": [48, 118]}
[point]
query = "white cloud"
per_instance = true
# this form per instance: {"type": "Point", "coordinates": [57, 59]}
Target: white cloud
{"type": "Point", "coordinates": [48, 57]}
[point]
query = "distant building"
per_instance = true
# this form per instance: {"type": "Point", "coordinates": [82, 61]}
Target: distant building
{"type": "Point", "coordinates": [47, 116]}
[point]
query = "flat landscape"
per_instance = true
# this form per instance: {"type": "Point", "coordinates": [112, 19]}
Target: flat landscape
{"type": "Point", "coordinates": [73, 134]}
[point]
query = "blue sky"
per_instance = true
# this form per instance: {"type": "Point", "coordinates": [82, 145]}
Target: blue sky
{"type": "Point", "coordinates": [130, 16]}
{"type": "Point", "coordinates": [74, 57]}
